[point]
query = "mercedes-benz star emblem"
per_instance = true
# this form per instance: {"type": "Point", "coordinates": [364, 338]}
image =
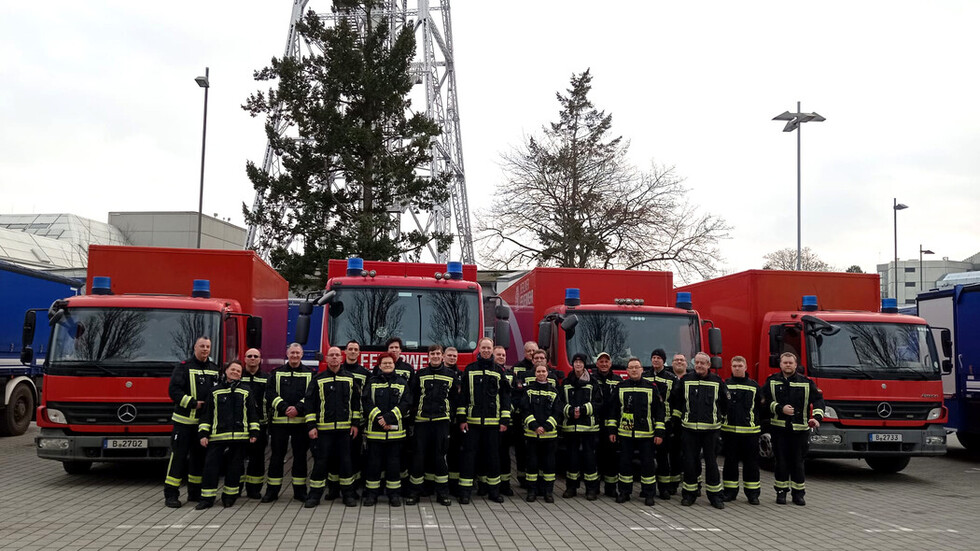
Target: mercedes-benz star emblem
{"type": "Point", "coordinates": [884, 410]}
{"type": "Point", "coordinates": [127, 413]}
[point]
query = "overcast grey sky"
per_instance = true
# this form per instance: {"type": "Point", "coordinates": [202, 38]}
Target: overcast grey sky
{"type": "Point", "coordinates": [99, 110]}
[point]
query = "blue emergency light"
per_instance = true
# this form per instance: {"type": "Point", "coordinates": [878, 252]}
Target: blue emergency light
{"type": "Point", "coordinates": [889, 305]}
{"type": "Point", "coordinates": [355, 266]}
{"type": "Point", "coordinates": [101, 285]}
{"type": "Point", "coordinates": [572, 297]}
{"type": "Point", "coordinates": [202, 288]}
{"type": "Point", "coordinates": [454, 270]}
{"type": "Point", "coordinates": [683, 300]}
{"type": "Point", "coordinates": [809, 303]}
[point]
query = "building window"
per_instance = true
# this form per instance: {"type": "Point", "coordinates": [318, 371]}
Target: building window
{"type": "Point", "coordinates": [910, 270]}
{"type": "Point", "coordinates": [910, 284]}
{"type": "Point", "coordinates": [910, 301]}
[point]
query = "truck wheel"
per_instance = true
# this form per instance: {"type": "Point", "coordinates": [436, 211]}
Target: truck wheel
{"type": "Point", "coordinates": [17, 416]}
{"type": "Point", "coordinates": [76, 467]}
{"type": "Point", "coordinates": [888, 465]}
{"type": "Point", "coordinates": [970, 440]}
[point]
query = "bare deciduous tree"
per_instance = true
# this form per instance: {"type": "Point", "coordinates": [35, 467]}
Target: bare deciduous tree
{"type": "Point", "coordinates": [573, 199]}
{"type": "Point", "coordinates": [785, 259]}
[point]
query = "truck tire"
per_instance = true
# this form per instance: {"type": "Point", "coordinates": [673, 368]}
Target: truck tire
{"type": "Point", "coordinates": [970, 440]}
{"type": "Point", "coordinates": [76, 467]}
{"type": "Point", "coordinates": [16, 417]}
{"type": "Point", "coordinates": [888, 465]}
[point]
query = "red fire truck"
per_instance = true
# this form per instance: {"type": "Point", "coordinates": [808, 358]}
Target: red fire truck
{"type": "Point", "coordinates": [879, 371]}
{"type": "Point", "coordinates": [111, 352]}
{"type": "Point", "coordinates": [621, 312]}
{"type": "Point", "coordinates": [423, 304]}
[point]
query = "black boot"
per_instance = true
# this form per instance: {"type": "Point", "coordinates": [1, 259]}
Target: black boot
{"type": "Point", "coordinates": [171, 497]}
{"type": "Point", "coordinates": [271, 494]}
{"type": "Point", "coordinates": [333, 491]}
{"type": "Point", "coordinates": [253, 491]}
{"type": "Point", "coordinates": [781, 497]}
{"type": "Point", "coordinates": [204, 503]}
{"type": "Point", "coordinates": [622, 498]}
{"type": "Point", "coordinates": [505, 489]}
{"type": "Point", "coordinates": [648, 501]}
{"type": "Point", "coordinates": [569, 492]}
{"type": "Point", "coordinates": [227, 500]}
{"type": "Point", "coordinates": [370, 500]}
{"type": "Point", "coordinates": [610, 490]}
{"type": "Point", "coordinates": [444, 499]}
{"type": "Point", "coordinates": [193, 492]}
{"type": "Point", "coordinates": [798, 499]}
{"type": "Point", "coordinates": [300, 494]}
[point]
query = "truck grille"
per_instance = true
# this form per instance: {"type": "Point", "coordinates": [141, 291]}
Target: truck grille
{"type": "Point", "coordinates": [88, 413]}
{"type": "Point", "coordinates": [900, 411]}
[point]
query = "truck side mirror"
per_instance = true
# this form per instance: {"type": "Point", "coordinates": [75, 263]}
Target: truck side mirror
{"type": "Point", "coordinates": [544, 334]}
{"type": "Point", "coordinates": [27, 355]}
{"type": "Point", "coordinates": [773, 360]}
{"type": "Point", "coordinates": [305, 308]}
{"type": "Point", "coordinates": [502, 312]}
{"type": "Point", "coordinates": [716, 362]}
{"type": "Point", "coordinates": [946, 340]}
{"type": "Point", "coordinates": [253, 332]}
{"type": "Point", "coordinates": [501, 333]}
{"type": "Point", "coordinates": [714, 341]}
{"type": "Point", "coordinates": [30, 322]}
{"type": "Point", "coordinates": [302, 329]}
{"type": "Point", "coordinates": [568, 326]}
{"type": "Point", "coordinates": [776, 333]}
{"type": "Point", "coordinates": [947, 366]}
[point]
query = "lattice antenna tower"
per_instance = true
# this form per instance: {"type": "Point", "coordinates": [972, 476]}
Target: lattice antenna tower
{"type": "Point", "coordinates": [435, 85]}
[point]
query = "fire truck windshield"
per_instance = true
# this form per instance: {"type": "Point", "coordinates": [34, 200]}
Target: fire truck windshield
{"type": "Point", "coordinates": [874, 350]}
{"type": "Point", "coordinates": [128, 342]}
{"type": "Point", "coordinates": [624, 335]}
{"type": "Point", "coordinates": [421, 317]}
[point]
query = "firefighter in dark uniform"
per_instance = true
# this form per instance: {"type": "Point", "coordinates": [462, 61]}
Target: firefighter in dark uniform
{"type": "Point", "coordinates": [352, 364]}
{"type": "Point", "coordinates": [230, 423]}
{"type": "Point", "coordinates": [580, 429]}
{"type": "Point", "coordinates": [607, 457]}
{"type": "Point", "coordinates": [542, 407]}
{"type": "Point", "coordinates": [523, 378]}
{"type": "Point", "coordinates": [790, 396]}
{"type": "Point", "coordinates": [512, 438]}
{"type": "Point", "coordinates": [664, 378]}
{"type": "Point", "coordinates": [285, 392]}
{"type": "Point", "coordinates": [189, 385]}
{"type": "Point", "coordinates": [454, 455]}
{"type": "Point", "coordinates": [520, 372]}
{"type": "Point", "coordinates": [385, 402]}
{"type": "Point", "coordinates": [255, 380]}
{"type": "Point", "coordinates": [404, 369]}
{"type": "Point", "coordinates": [482, 414]}
{"type": "Point", "coordinates": [740, 434]}
{"type": "Point", "coordinates": [675, 448]}
{"type": "Point", "coordinates": [333, 405]}
{"type": "Point", "coordinates": [701, 400]}
{"type": "Point", "coordinates": [636, 414]}
{"type": "Point", "coordinates": [434, 390]}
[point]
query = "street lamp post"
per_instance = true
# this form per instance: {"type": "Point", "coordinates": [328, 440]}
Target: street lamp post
{"type": "Point", "coordinates": [203, 82]}
{"type": "Point", "coordinates": [896, 206]}
{"type": "Point", "coordinates": [921, 276]}
{"type": "Point", "coordinates": [793, 122]}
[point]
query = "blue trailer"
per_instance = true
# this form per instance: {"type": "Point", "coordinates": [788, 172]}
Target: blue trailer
{"type": "Point", "coordinates": [23, 289]}
{"type": "Point", "coordinates": [958, 309]}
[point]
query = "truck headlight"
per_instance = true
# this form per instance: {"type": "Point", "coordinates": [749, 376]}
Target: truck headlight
{"type": "Point", "coordinates": [935, 440]}
{"type": "Point", "coordinates": [825, 439]}
{"type": "Point", "coordinates": [829, 412]}
{"type": "Point", "coordinates": [55, 416]}
{"type": "Point", "coordinates": [934, 413]}
{"type": "Point", "coordinates": [53, 443]}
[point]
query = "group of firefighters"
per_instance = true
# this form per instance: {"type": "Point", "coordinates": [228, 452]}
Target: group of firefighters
{"type": "Point", "coordinates": [445, 431]}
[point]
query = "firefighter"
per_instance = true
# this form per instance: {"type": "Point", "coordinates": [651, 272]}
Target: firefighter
{"type": "Point", "coordinates": [230, 424]}
{"type": "Point", "coordinates": [510, 439]}
{"type": "Point", "coordinates": [542, 407]}
{"type": "Point", "coordinates": [675, 456]}
{"type": "Point", "coordinates": [385, 404]}
{"type": "Point", "coordinates": [664, 379]}
{"type": "Point", "coordinates": [333, 403]}
{"type": "Point", "coordinates": [580, 429]}
{"type": "Point", "coordinates": [790, 396]}
{"type": "Point", "coordinates": [539, 357]}
{"type": "Point", "coordinates": [740, 434]}
{"type": "Point", "coordinates": [405, 369]}
{"type": "Point", "coordinates": [352, 363]}
{"type": "Point", "coordinates": [433, 390]}
{"type": "Point", "coordinates": [255, 380]}
{"type": "Point", "coordinates": [520, 371]}
{"type": "Point", "coordinates": [606, 454]}
{"type": "Point", "coordinates": [701, 399]}
{"type": "Point", "coordinates": [636, 417]}
{"type": "Point", "coordinates": [450, 357]}
{"type": "Point", "coordinates": [482, 414]}
{"type": "Point", "coordinates": [189, 384]}
{"type": "Point", "coordinates": [285, 392]}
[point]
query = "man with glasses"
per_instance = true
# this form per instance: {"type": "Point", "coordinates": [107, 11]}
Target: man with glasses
{"type": "Point", "coordinates": [254, 380]}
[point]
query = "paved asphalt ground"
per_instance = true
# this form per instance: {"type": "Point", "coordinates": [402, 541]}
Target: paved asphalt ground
{"type": "Point", "coordinates": [933, 504]}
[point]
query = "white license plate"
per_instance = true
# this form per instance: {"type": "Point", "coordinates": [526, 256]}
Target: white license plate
{"type": "Point", "coordinates": [124, 444]}
{"type": "Point", "coordinates": [885, 437]}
